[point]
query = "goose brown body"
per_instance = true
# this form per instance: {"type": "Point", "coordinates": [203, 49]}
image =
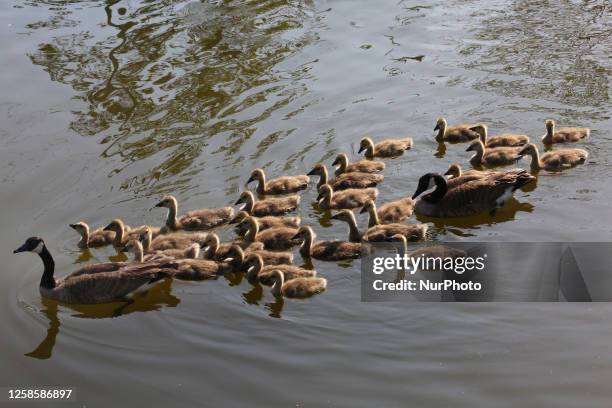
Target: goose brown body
{"type": "Point", "coordinates": [278, 185]}
{"type": "Point", "coordinates": [502, 140]}
{"type": "Point", "coordinates": [299, 288]}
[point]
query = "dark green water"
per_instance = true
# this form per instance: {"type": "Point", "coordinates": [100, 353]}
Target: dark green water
{"type": "Point", "coordinates": [106, 106]}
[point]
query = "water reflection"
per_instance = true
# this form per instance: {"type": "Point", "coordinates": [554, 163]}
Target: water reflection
{"type": "Point", "coordinates": [153, 299]}
{"type": "Point", "coordinates": [554, 51]}
{"type": "Point", "coordinates": [170, 79]}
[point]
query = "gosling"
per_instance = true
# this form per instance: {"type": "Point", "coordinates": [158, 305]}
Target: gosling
{"type": "Point", "coordinates": [351, 198]}
{"type": "Point", "coordinates": [279, 185]}
{"type": "Point", "coordinates": [497, 156]}
{"type": "Point", "coordinates": [563, 135]}
{"type": "Point", "coordinates": [390, 213]}
{"type": "Point", "coordinates": [327, 250]}
{"type": "Point", "coordinates": [196, 220]}
{"type": "Point", "coordinates": [361, 166]}
{"type": "Point", "coordinates": [555, 160]}
{"type": "Point", "coordinates": [345, 180]}
{"type": "Point", "coordinates": [388, 148]}
{"type": "Point", "coordinates": [299, 288]}
{"type": "Point", "coordinates": [269, 206]}
{"type": "Point", "coordinates": [94, 239]}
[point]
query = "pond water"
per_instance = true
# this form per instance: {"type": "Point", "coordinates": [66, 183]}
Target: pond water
{"type": "Point", "coordinates": [106, 106]}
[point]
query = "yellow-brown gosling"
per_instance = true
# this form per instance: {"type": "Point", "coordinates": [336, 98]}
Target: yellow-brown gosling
{"type": "Point", "coordinates": [272, 238]}
{"type": "Point", "coordinates": [268, 257]}
{"type": "Point", "coordinates": [92, 284]}
{"type": "Point", "coordinates": [388, 213]}
{"type": "Point", "coordinates": [556, 159]}
{"type": "Point", "coordinates": [299, 288]}
{"type": "Point", "coordinates": [269, 206]}
{"type": "Point", "coordinates": [123, 233]}
{"type": "Point", "coordinates": [196, 220]}
{"type": "Point", "coordinates": [135, 247]}
{"type": "Point", "coordinates": [563, 135]}
{"type": "Point", "coordinates": [257, 272]}
{"type": "Point", "coordinates": [457, 176]}
{"type": "Point", "coordinates": [504, 139]}
{"type": "Point", "coordinates": [496, 156]}
{"type": "Point", "coordinates": [471, 198]}
{"type": "Point", "coordinates": [351, 198]}
{"type": "Point", "coordinates": [266, 222]}
{"type": "Point", "coordinates": [94, 239]}
{"type": "Point", "coordinates": [346, 180]}
{"type": "Point", "coordinates": [384, 149]}
{"type": "Point", "coordinates": [214, 249]}
{"type": "Point", "coordinates": [454, 134]}
{"type": "Point", "coordinates": [170, 241]}
{"type": "Point", "coordinates": [361, 166]}
{"type": "Point", "coordinates": [278, 185]}
{"type": "Point", "coordinates": [327, 250]}
{"type": "Point", "coordinates": [382, 232]}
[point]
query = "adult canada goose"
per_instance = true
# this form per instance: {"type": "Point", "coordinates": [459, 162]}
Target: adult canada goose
{"type": "Point", "coordinates": [197, 220]}
{"type": "Point", "coordinates": [217, 251]}
{"type": "Point", "coordinates": [388, 213]}
{"type": "Point", "coordinates": [269, 206]}
{"type": "Point", "coordinates": [496, 156]}
{"type": "Point", "coordinates": [382, 232]}
{"type": "Point", "coordinates": [101, 283]}
{"type": "Point", "coordinates": [361, 166]}
{"type": "Point", "coordinates": [385, 148]}
{"type": "Point", "coordinates": [135, 247]}
{"type": "Point", "coordinates": [272, 238]}
{"type": "Point", "coordinates": [269, 221]}
{"type": "Point", "coordinates": [503, 140]}
{"type": "Point", "coordinates": [327, 250]}
{"type": "Point", "coordinates": [257, 272]}
{"type": "Point", "coordinates": [268, 257]}
{"type": "Point", "coordinates": [351, 198]}
{"type": "Point", "coordinates": [473, 197]}
{"type": "Point", "coordinates": [556, 159]}
{"type": "Point", "coordinates": [345, 180]}
{"type": "Point", "coordinates": [278, 185]}
{"type": "Point", "coordinates": [124, 233]}
{"type": "Point", "coordinates": [170, 241]}
{"type": "Point", "coordinates": [563, 135]}
{"type": "Point", "coordinates": [299, 288]}
{"type": "Point", "coordinates": [94, 239]}
{"type": "Point", "coordinates": [454, 134]}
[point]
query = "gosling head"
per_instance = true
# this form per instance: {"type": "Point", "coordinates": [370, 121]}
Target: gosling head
{"type": "Point", "coordinates": [317, 170]}
{"type": "Point", "coordinates": [367, 206]}
{"type": "Point", "coordinates": [245, 197]}
{"type": "Point", "coordinates": [325, 191]}
{"type": "Point", "coordinates": [529, 148]}
{"type": "Point", "coordinates": [341, 160]}
{"type": "Point", "coordinates": [133, 246]}
{"type": "Point", "coordinates": [115, 225]}
{"type": "Point", "coordinates": [257, 174]}
{"type": "Point", "coordinates": [81, 227]}
{"type": "Point", "coordinates": [440, 124]}
{"type": "Point", "coordinates": [167, 202]}
{"type": "Point", "coordinates": [344, 215]}
{"type": "Point", "coordinates": [454, 170]}
{"type": "Point", "coordinates": [550, 124]}
{"type": "Point", "coordinates": [365, 144]}
{"type": "Point", "coordinates": [32, 244]}
{"type": "Point", "coordinates": [239, 217]}
{"type": "Point", "coordinates": [304, 232]}
{"type": "Point", "coordinates": [211, 239]}
{"type": "Point", "coordinates": [235, 253]}
{"type": "Point", "coordinates": [475, 146]}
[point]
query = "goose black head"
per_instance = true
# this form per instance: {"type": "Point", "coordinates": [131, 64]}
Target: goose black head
{"type": "Point", "coordinates": [32, 244]}
{"type": "Point", "coordinates": [426, 182]}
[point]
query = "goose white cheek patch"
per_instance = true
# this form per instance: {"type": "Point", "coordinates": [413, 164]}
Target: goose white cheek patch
{"type": "Point", "coordinates": [38, 248]}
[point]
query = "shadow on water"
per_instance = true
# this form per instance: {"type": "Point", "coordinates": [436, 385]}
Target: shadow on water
{"type": "Point", "coordinates": [152, 299]}
{"type": "Point", "coordinates": [168, 80]}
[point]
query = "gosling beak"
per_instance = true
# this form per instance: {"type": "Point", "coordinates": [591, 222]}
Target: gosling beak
{"type": "Point", "coordinates": [160, 204]}
{"type": "Point", "coordinates": [312, 172]}
{"type": "Point", "coordinates": [448, 172]}
{"type": "Point", "coordinates": [437, 127]}
{"type": "Point", "coordinates": [336, 162]}
{"type": "Point", "coordinates": [107, 228]}
{"type": "Point", "coordinates": [335, 216]}
{"type": "Point", "coordinates": [319, 197]}
{"type": "Point", "coordinates": [361, 149]}
{"type": "Point", "coordinates": [238, 201]}
{"type": "Point", "coordinates": [73, 226]}
{"type": "Point", "coordinates": [363, 210]}
{"type": "Point", "coordinates": [296, 236]}
{"type": "Point", "coordinates": [469, 149]}
{"type": "Point", "coordinates": [250, 179]}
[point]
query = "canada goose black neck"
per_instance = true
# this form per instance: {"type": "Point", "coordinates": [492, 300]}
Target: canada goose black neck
{"type": "Point", "coordinates": [441, 189]}
{"type": "Point", "coordinates": [47, 281]}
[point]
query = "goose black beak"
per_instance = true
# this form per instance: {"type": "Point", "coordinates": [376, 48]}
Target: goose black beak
{"type": "Point", "coordinates": [469, 149]}
{"type": "Point", "coordinates": [312, 172]}
{"type": "Point", "coordinates": [361, 149]}
{"type": "Point", "coordinates": [335, 216]}
{"type": "Point", "coordinates": [238, 201]}
{"type": "Point", "coordinates": [336, 162]}
{"type": "Point", "coordinates": [363, 210]}
{"type": "Point", "coordinates": [73, 226]}
{"type": "Point", "coordinates": [107, 228]}
{"type": "Point", "coordinates": [20, 249]}
{"type": "Point", "coordinates": [296, 236]}
{"type": "Point", "coordinates": [251, 179]}
{"type": "Point", "coordinates": [437, 127]}
{"type": "Point", "coordinates": [319, 197]}
{"type": "Point", "coordinates": [160, 204]}
{"type": "Point", "coordinates": [448, 172]}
